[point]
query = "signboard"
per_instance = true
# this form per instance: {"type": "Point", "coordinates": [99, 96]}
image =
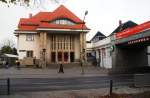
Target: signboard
{"type": "Point", "coordinates": [134, 30]}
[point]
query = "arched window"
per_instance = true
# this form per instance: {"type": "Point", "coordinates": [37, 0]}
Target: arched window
{"type": "Point", "coordinates": [63, 22]}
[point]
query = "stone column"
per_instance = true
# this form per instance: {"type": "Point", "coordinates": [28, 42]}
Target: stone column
{"type": "Point", "coordinates": [43, 47]}
{"type": "Point", "coordinates": [56, 50]}
{"type": "Point", "coordinates": [69, 49]}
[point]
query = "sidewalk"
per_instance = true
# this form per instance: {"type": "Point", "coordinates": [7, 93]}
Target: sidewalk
{"type": "Point", "coordinates": [52, 73]}
{"type": "Point", "coordinates": [88, 93]}
{"type": "Point", "coordinates": [68, 72]}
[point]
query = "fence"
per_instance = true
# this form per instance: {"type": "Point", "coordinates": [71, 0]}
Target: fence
{"type": "Point", "coordinates": [13, 85]}
{"type": "Point", "coordinates": [142, 80]}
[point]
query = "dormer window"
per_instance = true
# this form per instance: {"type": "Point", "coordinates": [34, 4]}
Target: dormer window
{"type": "Point", "coordinates": [63, 22]}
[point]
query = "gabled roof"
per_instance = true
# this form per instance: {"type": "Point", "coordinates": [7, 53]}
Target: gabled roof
{"type": "Point", "coordinates": [124, 26]}
{"type": "Point", "coordinates": [98, 34]}
{"type": "Point", "coordinates": [43, 19]}
{"type": "Point", "coordinates": [134, 30]}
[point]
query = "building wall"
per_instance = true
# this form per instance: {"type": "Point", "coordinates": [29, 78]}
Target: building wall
{"type": "Point", "coordinates": [36, 46]}
{"type": "Point", "coordinates": [103, 53]}
{"type": "Point", "coordinates": [130, 57]}
{"type": "Point", "coordinates": [77, 48]}
{"type": "Point", "coordinates": [24, 45]}
{"type": "Point", "coordinates": [148, 51]}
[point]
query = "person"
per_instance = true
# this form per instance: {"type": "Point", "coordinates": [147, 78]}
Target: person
{"type": "Point", "coordinates": [6, 64]}
{"type": "Point", "coordinates": [61, 69]}
{"type": "Point", "coordinates": [18, 64]}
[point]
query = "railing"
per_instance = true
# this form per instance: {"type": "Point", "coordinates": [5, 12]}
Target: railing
{"type": "Point", "coordinates": [13, 85]}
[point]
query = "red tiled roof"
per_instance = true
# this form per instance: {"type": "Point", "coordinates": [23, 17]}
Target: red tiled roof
{"type": "Point", "coordinates": [43, 19]}
{"type": "Point", "coordinates": [134, 30]}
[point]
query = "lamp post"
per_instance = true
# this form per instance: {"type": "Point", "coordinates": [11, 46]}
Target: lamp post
{"type": "Point", "coordinates": [83, 48]}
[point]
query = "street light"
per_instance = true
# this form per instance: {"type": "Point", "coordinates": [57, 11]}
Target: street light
{"type": "Point", "coordinates": [83, 50]}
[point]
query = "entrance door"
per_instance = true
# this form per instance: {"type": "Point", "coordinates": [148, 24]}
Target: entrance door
{"type": "Point", "coordinates": [53, 57]}
{"type": "Point", "coordinates": [59, 56]}
{"type": "Point", "coordinates": [65, 56]}
{"type": "Point", "coordinates": [71, 56]}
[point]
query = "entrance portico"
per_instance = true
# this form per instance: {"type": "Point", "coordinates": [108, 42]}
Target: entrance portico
{"type": "Point", "coordinates": [62, 46]}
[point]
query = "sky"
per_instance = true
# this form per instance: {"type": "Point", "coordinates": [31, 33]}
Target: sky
{"type": "Point", "coordinates": [103, 15]}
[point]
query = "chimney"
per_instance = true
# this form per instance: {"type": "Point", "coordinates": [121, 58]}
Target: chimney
{"type": "Point", "coordinates": [120, 22]}
{"type": "Point", "coordinates": [30, 15]}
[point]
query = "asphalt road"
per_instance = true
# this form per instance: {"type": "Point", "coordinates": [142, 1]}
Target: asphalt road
{"type": "Point", "coordinates": [53, 84]}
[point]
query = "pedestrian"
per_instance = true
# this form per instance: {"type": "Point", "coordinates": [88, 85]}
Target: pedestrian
{"type": "Point", "coordinates": [18, 64]}
{"type": "Point", "coordinates": [61, 69]}
{"type": "Point", "coordinates": [6, 64]}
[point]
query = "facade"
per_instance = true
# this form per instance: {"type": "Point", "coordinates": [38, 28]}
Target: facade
{"type": "Point", "coordinates": [52, 37]}
{"type": "Point", "coordinates": [103, 49]}
{"type": "Point", "coordinates": [99, 51]}
{"type": "Point", "coordinates": [148, 52]}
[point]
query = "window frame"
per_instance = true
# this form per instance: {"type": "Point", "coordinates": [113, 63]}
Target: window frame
{"type": "Point", "coordinates": [29, 53]}
{"type": "Point", "coordinates": [29, 37]}
{"type": "Point", "coordinates": [63, 21]}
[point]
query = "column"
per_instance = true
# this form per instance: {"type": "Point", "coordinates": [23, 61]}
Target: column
{"type": "Point", "coordinates": [50, 48]}
{"type": "Point", "coordinates": [69, 48]}
{"type": "Point", "coordinates": [56, 49]}
{"type": "Point", "coordinates": [43, 47]}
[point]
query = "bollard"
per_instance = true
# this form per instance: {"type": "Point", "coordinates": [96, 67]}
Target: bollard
{"type": "Point", "coordinates": [111, 86]}
{"type": "Point", "coordinates": [8, 86]}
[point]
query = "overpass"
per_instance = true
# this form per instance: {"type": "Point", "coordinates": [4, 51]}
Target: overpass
{"type": "Point", "coordinates": [131, 48]}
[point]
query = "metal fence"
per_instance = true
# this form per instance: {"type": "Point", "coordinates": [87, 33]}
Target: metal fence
{"type": "Point", "coordinates": [142, 80]}
{"type": "Point", "coordinates": [15, 85]}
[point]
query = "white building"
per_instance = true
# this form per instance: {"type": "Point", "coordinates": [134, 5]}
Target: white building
{"type": "Point", "coordinates": [51, 37]}
{"type": "Point", "coordinates": [103, 52]}
{"type": "Point", "coordinates": [100, 49]}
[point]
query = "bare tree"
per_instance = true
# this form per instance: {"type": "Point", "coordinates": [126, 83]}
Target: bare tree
{"type": "Point", "coordinates": [28, 2]}
{"type": "Point", "coordinates": [8, 42]}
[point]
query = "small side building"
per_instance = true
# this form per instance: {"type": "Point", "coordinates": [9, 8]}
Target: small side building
{"type": "Point", "coordinates": [9, 58]}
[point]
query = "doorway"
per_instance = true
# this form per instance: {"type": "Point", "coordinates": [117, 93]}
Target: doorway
{"type": "Point", "coordinates": [65, 56]}
{"type": "Point", "coordinates": [53, 57]}
{"type": "Point", "coordinates": [71, 56]}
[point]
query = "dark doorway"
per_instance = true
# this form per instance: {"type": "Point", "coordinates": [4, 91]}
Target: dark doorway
{"type": "Point", "coordinates": [53, 57]}
{"type": "Point", "coordinates": [59, 56]}
{"type": "Point", "coordinates": [71, 56]}
{"type": "Point", "coordinates": [66, 56]}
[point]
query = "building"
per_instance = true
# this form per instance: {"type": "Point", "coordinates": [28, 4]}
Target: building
{"type": "Point", "coordinates": [103, 47]}
{"type": "Point", "coordinates": [52, 37]}
{"type": "Point", "coordinates": [9, 58]}
{"type": "Point", "coordinates": [98, 36]}
{"type": "Point", "coordinates": [99, 50]}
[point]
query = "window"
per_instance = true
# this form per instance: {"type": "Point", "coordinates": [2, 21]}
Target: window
{"type": "Point", "coordinates": [29, 53]}
{"type": "Point", "coordinates": [29, 37]}
{"type": "Point", "coordinates": [63, 22]}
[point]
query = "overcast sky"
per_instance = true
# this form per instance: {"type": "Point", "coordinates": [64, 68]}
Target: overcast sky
{"type": "Point", "coordinates": [103, 15]}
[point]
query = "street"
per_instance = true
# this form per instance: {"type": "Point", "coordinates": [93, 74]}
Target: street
{"type": "Point", "coordinates": [72, 83]}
